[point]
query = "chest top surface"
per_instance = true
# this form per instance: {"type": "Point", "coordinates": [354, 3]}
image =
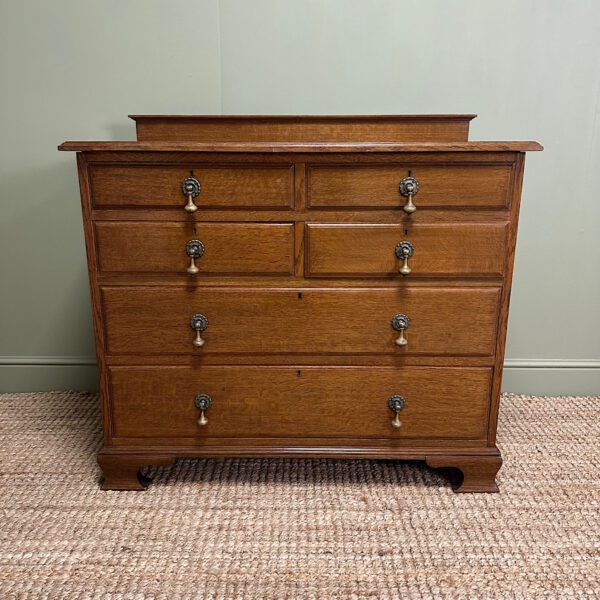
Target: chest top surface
{"type": "Point", "coordinates": [380, 133]}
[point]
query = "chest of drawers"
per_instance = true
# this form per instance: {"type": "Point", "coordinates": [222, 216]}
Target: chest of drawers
{"type": "Point", "coordinates": [300, 287]}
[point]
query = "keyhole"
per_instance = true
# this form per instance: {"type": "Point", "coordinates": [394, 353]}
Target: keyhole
{"type": "Point", "coordinates": [299, 298]}
{"type": "Point", "coordinates": [299, 373]}
{"type": "Point", "coordinates": [405, 231]}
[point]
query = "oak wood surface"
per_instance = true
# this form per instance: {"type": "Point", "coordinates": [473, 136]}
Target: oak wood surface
{"type": "Point", "coordinates": [506, 290]}
{"type": "Point", "coordinates": [317, 147]}
{"type": "Point", "coordinates": [443, 321]}
{"type": "Point", "coordinates": [226, 186]}
{"type": "Point", "coordinates": [121, 464]}
{"type": "Point", "coordinates": [376, 448]}
{"type": "Point", "coordinates": [356, 215]}
{"type": "Point", "coordinates": [477, 474]}
{"type": "Point", "coordinates": [299, 283]}
{"type": "Point", "coordinates": [167, 280]}
{"type": "Point", "coordinates": [463, 249]}
{"type": "Point", "coordinates": [262, 156]}
{"type": "Point", "coordinates": [311, 402]}
{"type": "Point", "coordinates": [392, 128]}
{"type": "Point", "coordinates": [97, 313]}
{"type": "Point", "coordinates": [123, 472]}
{"type": "Point", "coordinates": [440, 186]}
{"type": "Point", "coordinates": [378, 360]}
{"type": "Point", "coordinates": [229, 248]}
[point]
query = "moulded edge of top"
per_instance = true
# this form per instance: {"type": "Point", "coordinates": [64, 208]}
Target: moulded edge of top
{"type": "Point", "coordinates": [515, 146]}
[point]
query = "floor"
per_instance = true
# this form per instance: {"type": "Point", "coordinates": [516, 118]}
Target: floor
{"type": "Point", "coordinates": [277, 529]}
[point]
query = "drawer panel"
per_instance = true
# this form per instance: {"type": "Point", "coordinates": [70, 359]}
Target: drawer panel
{"type": "Point", "coordinates": [299, 402]}
{"type": "Point", "coordinates": [235, 186]}
{"type": "Point", "coordinates": [440, 186]}
{"type": "Point", "coordinates": [229, 248]}
{"type": "Point", "coordinates": [458, 249]}
{"type": "Point", "coordinates": [443, 321]}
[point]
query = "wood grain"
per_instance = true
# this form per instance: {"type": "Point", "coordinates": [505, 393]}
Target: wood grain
{"type": "Point", "coordinates": [223, 128]}
{"type": "Point", "coordinates": [221, 186]}
{"type": "Point", "coordinates": [440, 186]}
{"type": "Point", "coordinates": [477, 474]}
{"type": "Point", "coordinates": [316, 147]}
{"type": "Point", "coordinates": [160, 158]}
{"type": "Point", "coordinates": [459, 249]}
{"type": "Point", "coordinates": [229, 248]}
{"type": "Point", "coordinates": [300, 217]}
{"type": "Point", "coordinates": [306, 402]}
{"type": "Point", "coordinates": [154, 320]}
{"type": "Point", "coordinates": [506, 290]}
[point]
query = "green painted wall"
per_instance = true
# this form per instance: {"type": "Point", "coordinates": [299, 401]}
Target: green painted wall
{"type": "Point", "coordinates": [74, 70]}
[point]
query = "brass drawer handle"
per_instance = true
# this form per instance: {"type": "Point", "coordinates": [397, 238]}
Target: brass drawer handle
{"type": "Point", "coordinates": [396, 404]}
{"type": "Point", "coordinates": [409, 186]}
{"type": "Point", "coordinates": [404, 250]}
{"type": "Point", "coordinates": [203, 402]}
{"type": "Point", "coordinates": [198, 323]}
{"type": "Point", "coordinates": [190, 188]}
{"type": "Point", "coordinates": [400, 323]}
{"type": "Point", "coordinates": [194, 249]}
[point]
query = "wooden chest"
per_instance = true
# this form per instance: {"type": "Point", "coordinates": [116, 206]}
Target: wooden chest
{"type": "Point", "coordinates": [301, 287]}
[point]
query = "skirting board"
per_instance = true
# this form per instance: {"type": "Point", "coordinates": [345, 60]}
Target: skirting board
{"type": "Point", "coordinates": [550, 377]}
{"type": "Point", "coordinates": [43, 374]}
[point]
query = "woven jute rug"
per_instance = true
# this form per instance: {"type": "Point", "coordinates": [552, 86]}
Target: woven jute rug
{"type": "Point", "coordinates": [276, 529]}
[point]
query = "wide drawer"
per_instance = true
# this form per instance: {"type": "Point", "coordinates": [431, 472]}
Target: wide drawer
{"type": "Point", "coordinates": [457, 249]}
{"type": "Point", "coordinates": [236, 186]}
{"type": "Point", "coordinates": [440, 186]}
{"type": "Point", "coordinates": [299, 402]}
{"type": "Point", "coordinates": [226, 248]}
{"type": "Point", "coordinates": [442, 321]}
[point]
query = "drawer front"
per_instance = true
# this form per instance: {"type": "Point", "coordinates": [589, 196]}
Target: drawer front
{"type": "Point", "coordinates": [459, 249]}
{"type": "Point", "coordinates": [440, 186]}
{"type": "Point", "coordinates": [299, 402]}
{"type": "Point", "coordinates": [220, 186]}
{"type": "Point", "coordinates": [442, 321]}
{"type": "Point", "coordinates": [226, 248]}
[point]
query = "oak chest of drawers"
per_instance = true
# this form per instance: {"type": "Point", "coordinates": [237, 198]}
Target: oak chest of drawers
{"type": "Point", "coordinates": [300, 287]}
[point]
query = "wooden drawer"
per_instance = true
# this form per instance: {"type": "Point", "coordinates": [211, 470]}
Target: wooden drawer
{"type": "Point", "coordinates": [229, 248]}
{"type": "Point", "coordinates": [236, 186]}
{"type": "Point", "coordinates": [443, 321]}
{"type": "Point", "coordinates": [457, 249]}
{"type": "Point", "coordinates": [299, 402]}
{"type": "Point", "coordinates": [440, 186]}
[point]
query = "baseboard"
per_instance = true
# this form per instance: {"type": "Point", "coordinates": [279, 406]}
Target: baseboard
{"type": "Point", "coordinates": [46, 373]}
{"type": "Point", "coordinates": [552, 377]}
{"type": "Point", "coordinates": [47, 361]}
{"type": "Point", "coordinates": [548, 377]}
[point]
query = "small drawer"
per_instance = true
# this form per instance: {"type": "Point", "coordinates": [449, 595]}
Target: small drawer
{"type": "Point", "coordinates": [214, 248]}
{"type": "Point", "coordinates": [303, 402]}
{"type": "Point", "coordinates": [212, 320]}
{"type": "Point", "coordinates": [457, 249]}
{"type": "Point", "coordinates": [439, 186]}
{"type": "Point", "coordinates": [218, 187]}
